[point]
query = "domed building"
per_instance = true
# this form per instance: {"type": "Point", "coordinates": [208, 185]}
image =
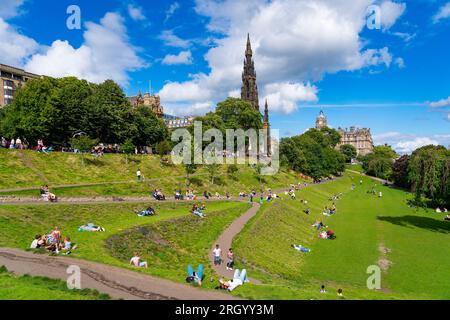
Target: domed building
{"type": "Point", "coordinates": [321, 121]}
{"type": "Point", "coordinates": [360, 138]}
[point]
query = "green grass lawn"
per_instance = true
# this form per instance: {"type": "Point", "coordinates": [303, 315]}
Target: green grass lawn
{"type": "Point", "coordinates": [27, 169]}
{"type": "Point", "coordinates": [416, 243]}
{"type": "Point", "coordinates": [40, 288]}
{"type": "Point", "coordinates": [169, 241]}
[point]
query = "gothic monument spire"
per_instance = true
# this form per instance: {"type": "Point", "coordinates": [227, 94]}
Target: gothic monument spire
{"type": "Point", "coordinates": [249, 90]}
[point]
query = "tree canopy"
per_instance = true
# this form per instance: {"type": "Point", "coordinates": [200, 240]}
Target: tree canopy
{"type": "Point", "coordinates": [313, 153]}
{"type": "Point", "coordinates": [55, 109]}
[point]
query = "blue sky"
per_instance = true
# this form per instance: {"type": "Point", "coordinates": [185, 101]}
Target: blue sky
{"type": "Point", "coordinates": [309, 55]}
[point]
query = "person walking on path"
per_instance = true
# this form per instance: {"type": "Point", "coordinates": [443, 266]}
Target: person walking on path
{"type": "Point", "coordinates": [138, 174]}
{"type": "Point", "coordinates": [217, 252]}
{"type": "Point", "coordinates": [230, 262]}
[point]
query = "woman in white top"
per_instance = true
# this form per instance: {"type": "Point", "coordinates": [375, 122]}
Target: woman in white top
{"type": "Point", "coordinates": [136, 261]}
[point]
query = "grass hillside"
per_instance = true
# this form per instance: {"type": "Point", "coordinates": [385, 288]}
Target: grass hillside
{"type": "Point", "coordinates": [409, 244]}
{"type": "Point", "coordinates": [169, 241]}
{"type": "Point", "coordinates": [114, 175]}
{"type": "Point", "coordinates": [40, 288]}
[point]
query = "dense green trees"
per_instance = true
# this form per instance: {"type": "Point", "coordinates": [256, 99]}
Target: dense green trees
{"type": "Point", "coordinates": [313, 153]}
{"type": "Point", "coordinates": [348, 151]}
{"type": "Point", "coordinates": [429, 174]}
{"type": "Point", "coordinates": [56, 109]}
{"type": "Point", "coordinates": [379, 162]}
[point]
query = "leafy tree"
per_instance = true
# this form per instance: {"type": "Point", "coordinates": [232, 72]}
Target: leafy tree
{"type": "Point", "coordinates": [400, 172]}
{"type": "Point", "coordinates": [232, 169]}
{"type": "Point", "coordinates": [312, 153]}
{"type": "Point", "coordinates": [348, 151]}
{"type": "Point", "coordinates": [148, 129]}
{"type": "Point", "coordinates": [213, 171]}
{"type": "Point", "coordinates": [238, 114]}
{"type": "Point", "coordinates": [163, 147]}
{"type": "Point", "coordinates": [128, 148]}
{"type": "Point", "coordinates": [429, 173]}
{"type": "Point", "coordinates": [189, 169]}
{"type": "Point", "coordinates": [84, 144]}
{"type": "Point", "coordinates": [379, 162]}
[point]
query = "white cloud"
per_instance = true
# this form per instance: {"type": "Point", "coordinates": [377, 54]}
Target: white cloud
{"type": "Point", "coordinates": [411, 145]}
{"type": "Point", "coordinates": [186, 109]}
{"type": "Point", "coordinates": [105, 54]}
{"type": "Point", "coordinates": [172, 40]}
{"type": "Point", "coordinates": [184, 92]}
{"type": "Point", "coordinates": [406, 143]}
{"type": "Point", "coordinates": [10, 8]}
{"type": "Point", "coordinates": [172, 9]}
{"type": "Point", "coordinates": [184, 57]}
{"type": "Point", "coordinates": [321, 37]}
{"type": "Point", "coordinates": [136, 13]}
{"type": "Point", "coordinates": [390, 13]}
{"type": "Point", "coordinates": [15, 48]}
{"type": "Point", "coordinates": [400, 63]}
{"type": "Point", "coordinates": [440, 103]}
{"type": "Point", "coordinates": [448, 117]}
{"type": "Point", "coordinates": [443, 13]}
{"type": "Point", "coordinates": [284, 97]}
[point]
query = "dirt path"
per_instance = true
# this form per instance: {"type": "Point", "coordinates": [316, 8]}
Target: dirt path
{"type": "Point", "coordinates": [92, 184]}
{"type": "Point", "coordinates": [226, 238]}
{"type": "Point", "coordinates": [26, 200]}
{"type": "Point", "coordinates": [117, 282]}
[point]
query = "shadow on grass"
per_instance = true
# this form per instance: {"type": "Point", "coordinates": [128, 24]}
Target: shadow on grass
{"type": "Point", "coordinates": [419, 222]}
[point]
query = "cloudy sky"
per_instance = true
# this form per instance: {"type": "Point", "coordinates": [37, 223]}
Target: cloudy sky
{"type": "Point", "coordinates": [392, 76]}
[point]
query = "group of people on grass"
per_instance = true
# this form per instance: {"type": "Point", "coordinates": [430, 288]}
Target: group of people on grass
{"type": "Point", "coordinates": [14, 143]}
{"type": "Point", "coordinates": [46, 195]}
{"type": "Point", "coordinates": [443, 210]}
{"type": "Point", "coordinates": [53, 242]}
{"type": "Point", "coordinates": [198, 210]}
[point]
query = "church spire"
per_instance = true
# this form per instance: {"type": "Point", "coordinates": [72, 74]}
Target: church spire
{"type": "Point", "coordinates": [249, 90]}
{"type": "Point", "coordinates": [248, 51]}
{"type": "Point", "coordinates": [266, 113]}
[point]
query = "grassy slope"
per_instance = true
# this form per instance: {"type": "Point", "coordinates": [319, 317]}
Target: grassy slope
{"type": "Point", "coordinates": [415, 238]}
{"type": "Point", "coordinates": [189, 239]}
{"type": "Point", "coordinates": [22, 169]}
{"type": "Point", "coordinates": [40, 288]}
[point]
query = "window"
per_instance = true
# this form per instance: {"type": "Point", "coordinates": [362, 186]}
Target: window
{"type": "Point", "coordinates": [9, 92]}
{"type": "Point", "coordinates": [8, 83]}
{"type": "Point", "coordinates": [8, 100]}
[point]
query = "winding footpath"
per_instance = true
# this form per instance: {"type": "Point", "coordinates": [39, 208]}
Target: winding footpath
{"type": "Point", "coordinates": [117, 282]}
{"type": "Point", "coordinates": [122, 283]}
{"type": "Point", "coordinates": [226, 238]}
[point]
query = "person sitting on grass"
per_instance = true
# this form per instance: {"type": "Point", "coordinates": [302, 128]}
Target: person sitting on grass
{"type": "Point", "coordinates": [322, 289]}
{"type": "Point", "coordinates": [35, 244]}
{"type": "Point", "coordinates": [318, 225]}
{"type": "Point", "coordinates": [196, 210]}
{"type": "Point", "coordinates": [239, 279]}
{"type": "Point", "coordinates": [447, 217]}
{"type": "Point", "coordinates": [91, 227]}
{"type": "Point", "coordinates": [147, 212]}
{"type": "Point", "coordinates": [300, 248]}
{"type": "Point", "coordinates": [137, 262]}
{"type": "Point", "coordinates": [307, 211]}
{"type": "Point", "coordinates": [68, 246]}
{"type": "Point", "coordinates": [195, 277]}
{"type": "Point", "coordinates": [206, 195]}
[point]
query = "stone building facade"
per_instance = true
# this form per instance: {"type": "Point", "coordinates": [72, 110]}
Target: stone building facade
{"type": "Point", "coordinates": [360, 138]}
{"type": "Point", "coordinates": [11, 79]}
{"type": "Point", "coordinates": [149, 100]}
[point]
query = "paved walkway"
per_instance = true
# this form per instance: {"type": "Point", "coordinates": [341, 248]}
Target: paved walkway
{"type": "Point", "coordinates": [117, 282]}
